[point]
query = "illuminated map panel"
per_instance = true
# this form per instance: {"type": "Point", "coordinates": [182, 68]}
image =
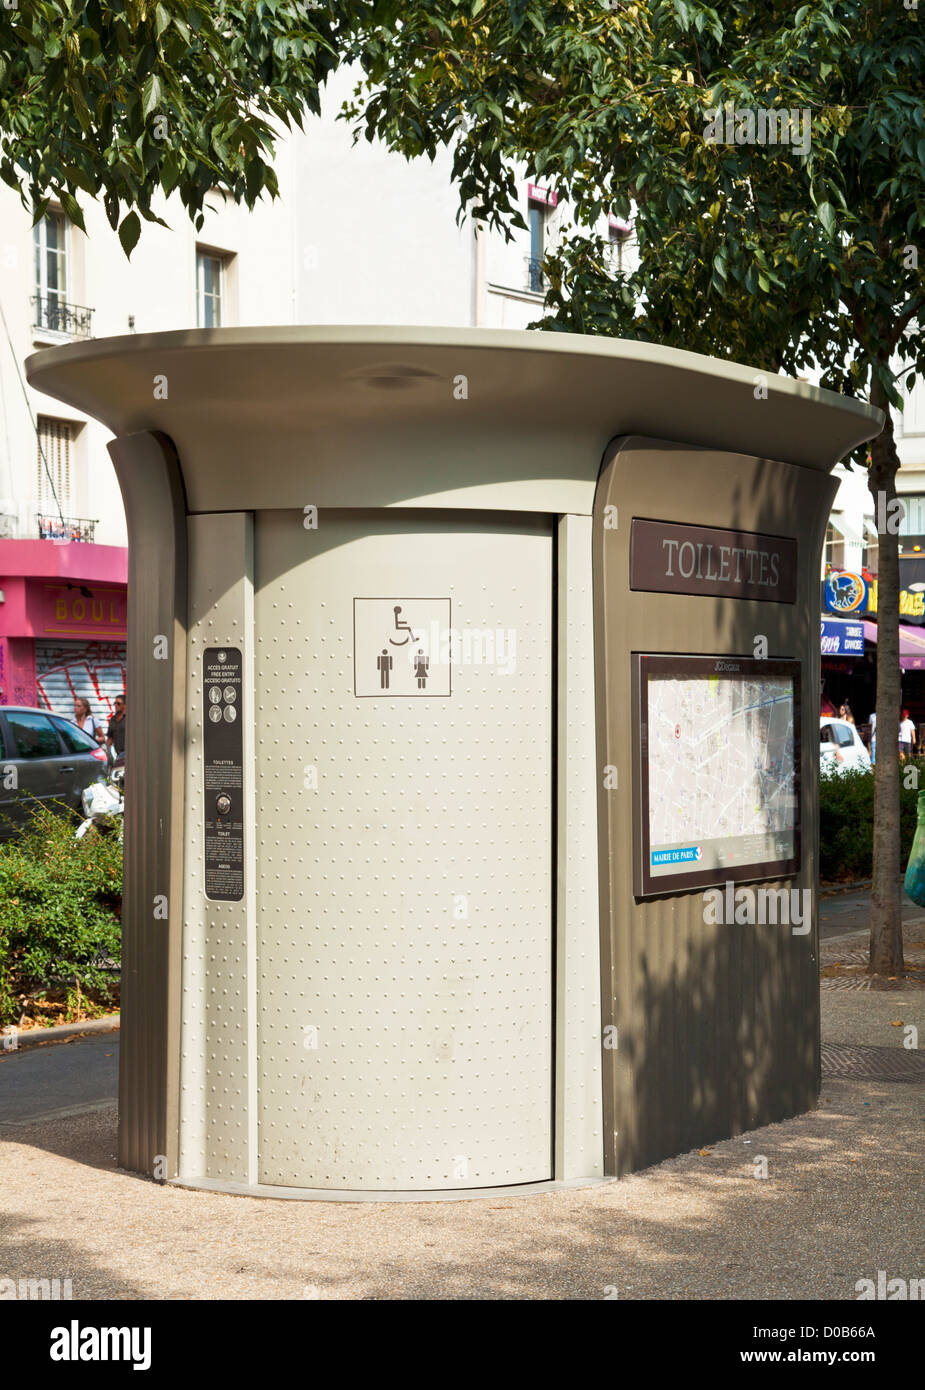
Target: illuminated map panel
{"type": "Point", "coordinates": [718, 770]}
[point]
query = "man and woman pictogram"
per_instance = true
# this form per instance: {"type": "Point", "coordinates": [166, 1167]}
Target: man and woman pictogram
{"type": "Point", "coordinates": [385, 661]}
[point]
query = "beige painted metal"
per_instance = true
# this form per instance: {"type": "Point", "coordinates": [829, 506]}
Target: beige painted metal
{"type": "Point", "coordinates": [579, 1131]}
{"type": "Point", "coordinates": [404, 859]}
{"type": "Point", "coordinates": [717, 1026]}
{"type": "Point", "coordinates": [218, 1115]}
{"type": "Point", "coordinates": [459, 418]}
{"type": "Point", "coordinates": [152, 490]}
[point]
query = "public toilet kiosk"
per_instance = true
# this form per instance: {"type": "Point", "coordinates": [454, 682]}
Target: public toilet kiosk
{"type": "Point", "coordinates": [471, 675]}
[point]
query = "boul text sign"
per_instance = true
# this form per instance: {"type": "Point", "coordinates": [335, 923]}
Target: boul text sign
{"type": "Point", "coordinates": [670, 558]}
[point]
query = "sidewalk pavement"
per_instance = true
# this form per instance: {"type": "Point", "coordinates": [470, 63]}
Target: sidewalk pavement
{"type": "Point", "coordinates": [843, 1199]}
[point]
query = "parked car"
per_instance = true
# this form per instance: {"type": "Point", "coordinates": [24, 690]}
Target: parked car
{"type": "Point", "coordinates": [841, 747]}
{"type": "Point", "coordinates": [51, 759]}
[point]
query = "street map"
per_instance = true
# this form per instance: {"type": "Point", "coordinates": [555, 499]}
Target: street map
{"type": "Point", "coordinates": [721, 758]}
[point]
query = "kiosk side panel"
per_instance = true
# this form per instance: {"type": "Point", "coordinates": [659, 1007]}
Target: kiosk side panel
{"type": "Point", "coordinates": [716, 1020]}
{"type": "Point", "coordinates": [152, 491]}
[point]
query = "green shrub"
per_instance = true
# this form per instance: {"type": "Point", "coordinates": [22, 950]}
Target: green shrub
{"type": "Point", "coordinates": [846, 822]}
{"type": "Point", "coordinates": [59, 905]}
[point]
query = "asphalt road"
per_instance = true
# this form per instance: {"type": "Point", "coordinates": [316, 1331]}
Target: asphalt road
{"type": "Point", "coordinates": [850, 912]}
{"type": "Point", "coordinates": [57, 1079]}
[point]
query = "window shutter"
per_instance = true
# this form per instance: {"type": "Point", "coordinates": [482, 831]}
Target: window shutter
{"type": "Point", "coordinates": [54, 441]}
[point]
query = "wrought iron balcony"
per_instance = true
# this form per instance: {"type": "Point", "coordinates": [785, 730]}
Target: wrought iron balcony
{"type": "Point", "coordinates": [536, 280]}
{"type": "Point", "coordinates": [57, 316]}
{"type": "Point", "coordinates": [65, 529]}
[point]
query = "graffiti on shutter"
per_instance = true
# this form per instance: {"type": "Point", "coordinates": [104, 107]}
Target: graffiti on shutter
{"type": "Point", "coordinates": [95, 670]}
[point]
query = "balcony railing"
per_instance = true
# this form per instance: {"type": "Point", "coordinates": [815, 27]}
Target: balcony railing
{"type": "Point", "coordinates": [57, 316]}
{"type": "Point", "coordinates": [65, 529]}
{"type": "Point", "coordinates": [536, 280]}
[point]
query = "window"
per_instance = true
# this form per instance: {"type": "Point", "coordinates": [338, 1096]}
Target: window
{"type": "Point", "coordinates": [54, 312]}
{"type": "Point", "coordinates": [619, 235]}
{"type": "Point", "coordinates": [537, 239]}
{"type": "Point", "coordinates": [75, 740]}
{"type": "Point", "coordinates": [34, 736]}
{"type": "Point", "coordinates": [913, 521]}
{"type": "Point", "coordinates": [53, 463]}
{"type": "Point", "coordinates": [834, 548]}
{"type": "Point", "coordinates": [870, 554]}
{"type": "Point", "coordinates": [50, 240]}
{"type": "Point", "coordinates": [210, 275]}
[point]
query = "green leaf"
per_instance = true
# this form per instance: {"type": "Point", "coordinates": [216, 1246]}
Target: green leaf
{"type": "Point", "coordinates": [129, 232]}
{"type": "Point", "coordinates": [826, 215]}
{"type": "Point", "coordinates": [72, 209]}
{"type": "Point", "coordinates": [150, 95]}
{"type": "Point", "coordinates": [79, 176]}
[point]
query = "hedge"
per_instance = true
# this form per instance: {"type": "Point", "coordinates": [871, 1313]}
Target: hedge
{"type": "Point", "coordinates": [60, 900]}
{"type": "Point", "coordinates": [846, 821]}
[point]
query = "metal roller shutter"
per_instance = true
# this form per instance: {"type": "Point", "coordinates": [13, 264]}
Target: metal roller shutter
{"type": "Point", "coordinates": [95, 670]}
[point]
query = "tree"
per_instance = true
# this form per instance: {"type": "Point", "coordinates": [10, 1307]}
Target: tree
{"type": "Point", "coordinates": [123, 100]}
{"type": "Point", "coordinates": [792, 255]}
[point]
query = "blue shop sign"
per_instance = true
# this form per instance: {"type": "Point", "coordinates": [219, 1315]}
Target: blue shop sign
{"type": "Point", "coordinates": [842, 639]}
{"type": "Point", "coordinates": [844, 592]}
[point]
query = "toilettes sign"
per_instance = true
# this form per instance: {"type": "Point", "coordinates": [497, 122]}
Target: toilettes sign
{"type": "Point", "coordinates": [669, 558]}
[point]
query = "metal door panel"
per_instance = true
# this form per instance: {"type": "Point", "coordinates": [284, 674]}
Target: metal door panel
{"type": "Point", "coordinates": [404, 857]}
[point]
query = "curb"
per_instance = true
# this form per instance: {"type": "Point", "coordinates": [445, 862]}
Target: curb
{"type": "Point", "coordinates": [32, 1037]}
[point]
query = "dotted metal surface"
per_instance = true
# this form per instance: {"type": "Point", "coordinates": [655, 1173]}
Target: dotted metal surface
{"type": "Point", "coordinates": [216, 1119]}
{"type": "Point", "coordinates": [403, 860]}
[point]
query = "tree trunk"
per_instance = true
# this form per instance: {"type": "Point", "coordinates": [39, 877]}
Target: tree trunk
{"type": "Point", "coordinates": [886, 939]}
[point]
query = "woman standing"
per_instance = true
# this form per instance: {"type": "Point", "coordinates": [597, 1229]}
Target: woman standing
{"type": "Point", "coordinates": [84, 719]}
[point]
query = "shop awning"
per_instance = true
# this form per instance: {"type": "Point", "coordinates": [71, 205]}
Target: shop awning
{"type": "Point", "coordinates": [844, 528]}
{"type": "Point", "coordinates": [911, 645]}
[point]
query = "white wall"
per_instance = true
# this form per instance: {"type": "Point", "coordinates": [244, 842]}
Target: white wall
{"type": "Point", "coordinates": [376, 234]}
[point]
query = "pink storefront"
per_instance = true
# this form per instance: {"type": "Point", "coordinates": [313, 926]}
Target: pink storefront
{"type": "Point", "coordinates": [62, 624]}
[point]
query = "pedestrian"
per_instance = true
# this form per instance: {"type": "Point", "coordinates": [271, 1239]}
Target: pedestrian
{"type": "Point", "coordinates": [85, 719]}
{"type": "Point", "coordinates": [906, 736]}
{"type": "Point", "coordinates": [844, 712]}
{"type": "Point", "coordinates": [115, 734]}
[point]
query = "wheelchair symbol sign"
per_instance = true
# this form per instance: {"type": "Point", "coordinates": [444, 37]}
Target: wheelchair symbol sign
{"type": "Point", "coordinates": [401, 647]}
